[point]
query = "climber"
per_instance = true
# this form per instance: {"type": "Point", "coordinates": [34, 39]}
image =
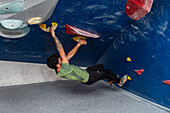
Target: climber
{"type": "Point", "coordinates": [60, 62]}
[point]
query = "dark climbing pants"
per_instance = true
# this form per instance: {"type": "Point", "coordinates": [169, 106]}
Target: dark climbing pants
{"type": "Point", "coordinates": [98, 72]}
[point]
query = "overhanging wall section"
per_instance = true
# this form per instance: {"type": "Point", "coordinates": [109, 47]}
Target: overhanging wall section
{"type": "Point", "coordinates": [102, 17]}
{"type": "Point", "coordinates": [146, 42]}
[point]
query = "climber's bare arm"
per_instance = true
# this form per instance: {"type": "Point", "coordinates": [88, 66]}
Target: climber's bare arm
{"type": "Point", "coordinates": [59, 47]}
{"type": "Point", "coordinates": [74, 50]}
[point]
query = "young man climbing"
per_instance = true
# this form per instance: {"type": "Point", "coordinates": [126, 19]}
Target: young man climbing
{"type": "Point", "coordinates": [60, 62]}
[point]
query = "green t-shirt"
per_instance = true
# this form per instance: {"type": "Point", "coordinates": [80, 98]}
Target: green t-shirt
{"type": "Point", "coordinates": [73, 72]}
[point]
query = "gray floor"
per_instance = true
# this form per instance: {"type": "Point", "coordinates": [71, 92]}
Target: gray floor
{"type": "Point", "coordinates": [70, 97]}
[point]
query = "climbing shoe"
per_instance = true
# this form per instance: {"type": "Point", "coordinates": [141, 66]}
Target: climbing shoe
{"type": "Point", "coordinates": [123, 80]}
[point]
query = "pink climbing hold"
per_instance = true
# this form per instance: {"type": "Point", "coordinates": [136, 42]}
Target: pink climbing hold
{"type": "Point", "coordinates": [136, 9]}
{"type": "Point", "coordinates": [76, 31]}
{"type": "Point", "coordinates": [167, 82]}
{"type": "Point", "coordinates": [139, 72]}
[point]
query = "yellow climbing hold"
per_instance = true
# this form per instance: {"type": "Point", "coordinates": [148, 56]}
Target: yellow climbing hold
{"type": "Point", "coordinates": [35, 20]}
{"type": "Point", "coordinates": [77, 38]}
{"type": "Point", "coordinates": [54, 25]}
{"type": "Point", "coordinates": [128, 59]}
{"type": "Point", "coordinates": [44, 28]}
{"type": "Point", "coordinates": [129, 78]}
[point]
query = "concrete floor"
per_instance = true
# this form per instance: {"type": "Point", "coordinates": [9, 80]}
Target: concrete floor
{"type": "Point", "coordinates": [70, 97]}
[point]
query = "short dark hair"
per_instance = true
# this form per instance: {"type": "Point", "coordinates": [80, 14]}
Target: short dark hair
{"type": "Point", "coordinates": [52, 61]}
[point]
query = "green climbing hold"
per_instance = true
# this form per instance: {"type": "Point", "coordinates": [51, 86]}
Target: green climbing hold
{"type": "Point", "coordinates": [23, 25]}
{"type": "Point", "coordinates": [11, 24]}
{"type": "Point", "coordinates": [14, 34]}
{"type": "Point", "coordinates": [12, 7]}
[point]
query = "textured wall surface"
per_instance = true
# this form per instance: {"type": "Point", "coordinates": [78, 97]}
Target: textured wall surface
{"type": "Point", "coordinates": [147, 43]}
{"type": "Point", "coordinates": [105, 18]}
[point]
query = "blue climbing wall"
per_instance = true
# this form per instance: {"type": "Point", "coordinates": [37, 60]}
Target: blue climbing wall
{"type": "Point", "coordinates": [104, 18]}
{"type": "Point", "coordinates": [147, 43]}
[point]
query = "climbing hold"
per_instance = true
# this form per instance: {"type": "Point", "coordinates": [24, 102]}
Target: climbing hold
{"type": "Point", "coordinates": [77, 38]}
{"type": "Point", "coordinates": [54, 25]}
{"type": "Point", "coordinates": [139, 72]}
{"type": "Point", "coordinates": [136, 9]}
{"type": "Point", "coordinates": [129, 78]}
{"type": "Point", "coordinates": [11, 24]}
{"type": "Point", "coordinates": [13, 34]}
{"type": "Point", "coordinates": [12, 7]}
{"type": "Point", "coordinates": [76, 31]}
{"type": "Point", "coordinates": [23, 25]}
{"type": "Point", "coordinates": [167, 82]}
{"type": "Point", "coordinates": [35, 20]}
{"type": "Point", "coordinates": [128, 59]}
{"type": "Point", "coordinates": [44, 28]}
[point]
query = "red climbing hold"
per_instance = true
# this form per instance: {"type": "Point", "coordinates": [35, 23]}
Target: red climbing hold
{"type": "Point", "coordinates": [139, 72]}
{"type": "Point", "coordinates": [76, 31]}
{"type": "Point", "coordinates": [136, 9]}
{"type": "Point", "coordinates": [167, 82]}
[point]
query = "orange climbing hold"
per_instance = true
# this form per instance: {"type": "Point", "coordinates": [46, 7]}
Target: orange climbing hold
{"type": "Point", "coordinates": [167, 82]}
{"type": "Point", "coordinates": [139, 72]}
{"type": "Point", "coordinates": [136, 9]}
